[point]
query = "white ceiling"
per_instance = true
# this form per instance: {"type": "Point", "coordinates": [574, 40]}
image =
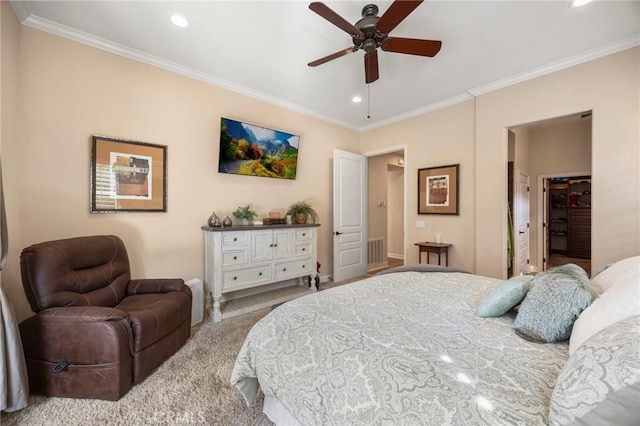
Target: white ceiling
{"type": "Point", "coordinates": [261, 48]}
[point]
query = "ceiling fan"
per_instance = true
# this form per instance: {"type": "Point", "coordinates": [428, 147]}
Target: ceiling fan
{"type": "Point", "coordinates": [372, 32]}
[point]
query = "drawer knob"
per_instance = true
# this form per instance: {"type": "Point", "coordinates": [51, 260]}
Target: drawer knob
{"type": "Point", "coordinates": [284, 269]}
{"type": "Point", "coordinates": [235, 239]}
{"type": "Point", "coordinates": [260, 274]}
{"type": "Point", "coordinates": [235, 257]}
{"type": "Point", "coordinates": [270, 245]}
{"type": "Point", "coordinates": [304, 266]}
{"type": "Point", "coordinates": [304, 234]}
{"type": "Point", "coordinates": [235, 278]}
{"type": "Point", "coordinates": [303, 248]}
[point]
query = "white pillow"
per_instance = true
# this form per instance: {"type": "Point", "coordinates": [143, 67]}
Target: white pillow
{"type": "Point", "coordinates": [600, 383]}
{"type": "Point", "coordinates": [622, 270]}
{"type": "Point", "coordinates": [620, 300]}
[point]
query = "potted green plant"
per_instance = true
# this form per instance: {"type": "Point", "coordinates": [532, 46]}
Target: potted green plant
{"type": "Point", "coordinates": [245, 214]}
{"type": "Point", "coordinates": [302, 212]}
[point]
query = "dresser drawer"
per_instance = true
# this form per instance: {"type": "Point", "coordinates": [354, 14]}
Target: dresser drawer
{"type": "Point", "coordinates": [235, 239]}
{"type": "Point", "coordinates": [231, 258]}
{"type": "Point", "coordinates": [247, 277]}
{"type": "Point", "coordinates": [294, 268]}
{"type": "Point", "coordinates": [303, 249]}
{"type": "Point", "coordinates": [304, 235]}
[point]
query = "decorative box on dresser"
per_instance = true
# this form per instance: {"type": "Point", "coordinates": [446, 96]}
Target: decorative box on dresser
{"type": "Point", "coordinates": [253, 267]}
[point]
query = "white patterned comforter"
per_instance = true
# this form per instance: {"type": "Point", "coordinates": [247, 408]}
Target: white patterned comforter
{"type": "Point", "coordinates": [402, 348]}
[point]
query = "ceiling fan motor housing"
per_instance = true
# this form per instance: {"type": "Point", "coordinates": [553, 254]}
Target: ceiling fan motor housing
{"type": "Point", "coordinates": [372, 38]}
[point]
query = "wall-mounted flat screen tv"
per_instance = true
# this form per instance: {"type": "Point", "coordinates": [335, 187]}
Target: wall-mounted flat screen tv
{"type": "Point", "coordinates": [250, 150]}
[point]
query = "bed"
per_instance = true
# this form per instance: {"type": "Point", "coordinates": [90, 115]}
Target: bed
{"type": "Point", "coordinates": [405, 347]}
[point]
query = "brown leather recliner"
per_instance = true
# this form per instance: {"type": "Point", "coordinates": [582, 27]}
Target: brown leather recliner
{"type": "Point", "coordinates": [96, 331]}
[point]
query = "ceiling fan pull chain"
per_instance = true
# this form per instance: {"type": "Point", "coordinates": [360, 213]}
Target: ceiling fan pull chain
{"type": "Point", "coordinates": [368, 101]}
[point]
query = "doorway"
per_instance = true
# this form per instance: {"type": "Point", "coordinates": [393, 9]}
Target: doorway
{"type": "Point", "coordinates": [545, 150]}
{"type": "Point", "coordinates": [385, 210]}
{"type": "Point", "coordinates": [351, 205]}
{"type": "Point", "coordinates": [567, 223]}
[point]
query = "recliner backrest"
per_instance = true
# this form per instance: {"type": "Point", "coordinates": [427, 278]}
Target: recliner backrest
{"type": "Point", "coordinates": [80, 271]}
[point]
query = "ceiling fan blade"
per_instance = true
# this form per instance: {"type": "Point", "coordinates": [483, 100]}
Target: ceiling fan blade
{"type": "Point", "coordinates": [337, 20]}
{"type": "Point", "coordinates": [396, 13]}
{"type": "Point", "coordinates": [412, 46]}
{"type": "Point", "coordinates": [371, 66]}
{"type": "Point", "coordinates": [332, 56]}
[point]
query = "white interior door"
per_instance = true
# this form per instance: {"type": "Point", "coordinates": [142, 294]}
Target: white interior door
{"type": "Point", "coordinates": [521, 207]}
{"type": "Point", "coordinates": [349, 215]}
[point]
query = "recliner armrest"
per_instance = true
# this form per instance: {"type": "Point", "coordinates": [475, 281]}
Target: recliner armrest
{"type": "Point", "coordinates": [155, 285]}
{"type": "Point", "coordinates": [82, 314]}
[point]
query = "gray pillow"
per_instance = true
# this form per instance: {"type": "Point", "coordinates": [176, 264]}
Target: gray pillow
{"type": "Point", "coordinates": [550, 308]}
{"type": "Point", "coordinates": [600, 383]}
{"type": "Point", "coordinates": [504, 297]}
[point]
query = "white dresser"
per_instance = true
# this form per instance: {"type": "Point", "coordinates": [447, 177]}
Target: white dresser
{"type": "Point", "coordinates": [244, 263]}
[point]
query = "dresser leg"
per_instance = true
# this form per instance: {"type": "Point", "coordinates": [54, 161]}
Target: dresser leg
{"type": "Point", "coordinates": [217, 314]}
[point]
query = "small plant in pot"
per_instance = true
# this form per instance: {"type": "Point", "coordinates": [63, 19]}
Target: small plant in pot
{"type": "Point", "coordinates": [245, 214]}
{"type": "Point", "coordinates": [302, 212]}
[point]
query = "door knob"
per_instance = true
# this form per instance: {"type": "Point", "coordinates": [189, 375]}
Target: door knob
{"type": "Point", "coordinates": [337, 233]}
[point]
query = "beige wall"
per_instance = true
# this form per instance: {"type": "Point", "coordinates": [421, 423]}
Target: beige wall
{"type": "Point", "coordinates": [522, 148]}
{"type": "Point", "coordinates": [69, 91]}
{"type": "Point", "coordinates": [609, 86]}
{"type": "Point", "coordinates": [442, 137]}
{"type": "Point", "coordinates": [10, 152]}
{"type": "Point", "coordinates": [557, 148]}
{"type": "Point", "coordinates": [377, 191]}
{"type": "Point", "coordinates": [474, 134]}
{"type": "Point", "coordinates": [395, 211]}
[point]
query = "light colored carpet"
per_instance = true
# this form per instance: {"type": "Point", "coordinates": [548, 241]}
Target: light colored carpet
{"type": "Point", "coordinates": [192, 387]}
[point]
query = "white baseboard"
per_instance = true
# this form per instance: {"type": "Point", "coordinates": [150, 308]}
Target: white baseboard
{"type": "Point", "coordinates": [396, 256]}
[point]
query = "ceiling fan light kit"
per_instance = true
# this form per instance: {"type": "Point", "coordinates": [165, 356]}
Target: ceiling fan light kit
{"type": "Point", "coordinates": [372, 32]}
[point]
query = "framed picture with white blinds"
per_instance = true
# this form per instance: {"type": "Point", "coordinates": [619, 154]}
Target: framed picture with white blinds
{"type": "Point", "coordinates": [127, 176]}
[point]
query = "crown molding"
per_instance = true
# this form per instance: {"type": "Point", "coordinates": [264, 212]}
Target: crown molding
{"type": "Point", "coordinates": [36, 22]}
{"type": "Point", "coordinates": [416, 112]}
{"type": "Point", "coordinates": [589, 55]}
{"type": "Point", "coordinates": [571, 61]}
{"type": "Point", "coordinates": [106, 45]}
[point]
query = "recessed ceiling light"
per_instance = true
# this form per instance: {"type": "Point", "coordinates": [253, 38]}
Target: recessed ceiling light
{"type": "Point", "coordinates": [179, 21]}
{"type": "Point", "coordinates": [356, 99]}
{"type": "Point", "coordinates": [578, 3]}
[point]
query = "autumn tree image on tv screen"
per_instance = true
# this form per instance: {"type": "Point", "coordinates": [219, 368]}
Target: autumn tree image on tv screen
{"type": "Point", "coordinates": [251, 150]}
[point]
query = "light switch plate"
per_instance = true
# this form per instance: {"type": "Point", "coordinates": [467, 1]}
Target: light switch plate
{"type": "Point", "coordinates": [420, 224]}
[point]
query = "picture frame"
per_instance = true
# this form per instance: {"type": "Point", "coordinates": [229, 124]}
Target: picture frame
{"type": "Point", "coordinates": [439, 190]}
{"type": "Point", "coordinates": [127, 176]}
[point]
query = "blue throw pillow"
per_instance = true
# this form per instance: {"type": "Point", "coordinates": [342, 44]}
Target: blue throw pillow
{"type": "Point", "coordinates": [504, 297]}
{"type": "Point", "coordinates": [549, 310]}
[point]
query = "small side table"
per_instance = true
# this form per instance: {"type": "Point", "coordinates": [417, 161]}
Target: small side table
{"type": "Point", "coordinates": [436, 248]}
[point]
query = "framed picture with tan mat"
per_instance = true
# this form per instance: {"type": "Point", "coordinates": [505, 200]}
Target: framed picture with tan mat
{"type": "Point", "coordinates": [127, 176]}
{"type": "Point", "coordinates": [438, 189]}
